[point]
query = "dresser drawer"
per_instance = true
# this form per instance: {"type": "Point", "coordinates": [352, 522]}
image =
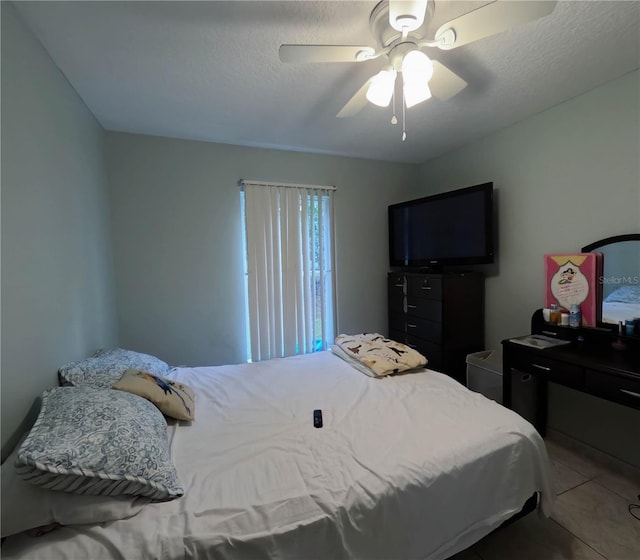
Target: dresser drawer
{"type": "Point", "coordinates": [424, 328]}
{"type": "Point", "coordinates": [621, 389]}
{"type": "Point", "coordinates": [396, 304]}
{"type": "Point", "coordinates": [551, 370]}
{"type": "Point", "coordinates": [424, 308]}
{"type": "Point", "coordinates": [397, 335]}
{"type": "Point", "coordinates": [424, 287]}
{"type": "Point", "coordinates": [397, 322]}
{"type": "Point", "coordinates": [396, 290]}
{"type": "Point", "coordinates": [398, 281]}
{"type": "Point", "coordinates": [430, 350]}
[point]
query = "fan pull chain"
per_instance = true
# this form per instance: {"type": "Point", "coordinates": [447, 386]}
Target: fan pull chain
{"type": "Point", "coordinates": [393, 117]}
{"type": "Point", "coordinates": [404, 121]}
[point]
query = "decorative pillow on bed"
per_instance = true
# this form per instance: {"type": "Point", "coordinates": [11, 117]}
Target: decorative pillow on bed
{"type": "Point", "coordinates": [99, 441]}
{"type": "Point", "coordinates": [381, 355]}
{"type": "Point", "coordinates": [25, 506]}
{"type": "Point", "coordinates": [105, 367]}
{"type": "Point", "coordinates": [172, 398]}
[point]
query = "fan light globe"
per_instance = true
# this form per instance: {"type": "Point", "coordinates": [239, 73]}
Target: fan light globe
{"type": "Point", "coordinates": [417, 63]}
{"type": "Point", "coordinates": [415, 93]}
{"type": "Point", "coordinates": [417, 70]}
{"type": "Point", "coordinates": [381, 89]}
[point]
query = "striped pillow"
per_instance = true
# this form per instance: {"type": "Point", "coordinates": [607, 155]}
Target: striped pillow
{"type": "Point", "coordinates": [94, 441]}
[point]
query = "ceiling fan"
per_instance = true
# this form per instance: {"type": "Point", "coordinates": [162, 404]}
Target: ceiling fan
{"type": "Point", "coordinates": [398, 27]}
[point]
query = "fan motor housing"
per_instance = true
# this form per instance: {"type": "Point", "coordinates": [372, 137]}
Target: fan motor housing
{"type": "Point", "coordinates": [387, 35]}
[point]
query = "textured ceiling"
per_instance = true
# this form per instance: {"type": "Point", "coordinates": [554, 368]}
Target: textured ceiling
{"type": "Point", "coordinates": [210, 71]}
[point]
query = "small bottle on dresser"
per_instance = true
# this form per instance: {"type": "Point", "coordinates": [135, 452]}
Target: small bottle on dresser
{"type": "Point", "coordinates": [619, 344]}
{"type": "Point", "coordinates": [575, 316]}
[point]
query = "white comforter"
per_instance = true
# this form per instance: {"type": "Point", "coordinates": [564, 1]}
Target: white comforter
{"type": "Point", "coordinates": [410, 466]}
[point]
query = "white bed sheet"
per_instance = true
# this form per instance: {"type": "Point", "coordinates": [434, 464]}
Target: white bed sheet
{"type": "Point", "coordinates": [409, 466]}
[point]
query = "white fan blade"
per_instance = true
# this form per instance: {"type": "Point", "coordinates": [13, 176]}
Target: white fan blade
{"type": "Point", "coordinates": [324, 53]}
{"type": "Point", "coordinates": [445, 83]}
{"type": "Point", "coordinates": [491, 19]}
{"type": "Point", "coordinates": [356, 103]}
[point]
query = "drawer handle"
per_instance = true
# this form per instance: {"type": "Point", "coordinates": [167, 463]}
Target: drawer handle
{"type": "Point", "coordinates": [398, 285]}
{"type": "Point", "coordinates": [411, 306]}
{"type": "Point", "coordinates": [411, 326]}
{"type": "Point", "coordinates": [543, 368]}
{"type": "Point", "coordinates": [631, 393]}
{"type": "Point", "coordinates": [425, 287]}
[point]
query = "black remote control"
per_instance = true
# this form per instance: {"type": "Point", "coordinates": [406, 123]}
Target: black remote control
{"type": "Point", "coordinates": [317, 418]}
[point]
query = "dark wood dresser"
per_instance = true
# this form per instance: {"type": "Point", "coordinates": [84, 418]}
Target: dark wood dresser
{"type": "Point", "coordinates": [440, 315]}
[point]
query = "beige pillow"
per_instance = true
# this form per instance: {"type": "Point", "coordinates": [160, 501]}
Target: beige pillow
{"type": "Point", "coordinates": [172, 398]}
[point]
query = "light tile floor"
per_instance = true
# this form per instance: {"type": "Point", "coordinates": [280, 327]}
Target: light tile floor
{"type": "Point", "coordinates": [590, 519]}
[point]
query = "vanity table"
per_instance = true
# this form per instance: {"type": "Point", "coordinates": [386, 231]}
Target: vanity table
{"type": "Point", "coordinates": [588, 363]}
{"type": "Point", "coordinates": [598, 360]}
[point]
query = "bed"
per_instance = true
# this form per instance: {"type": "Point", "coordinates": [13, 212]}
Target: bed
{"type": "Point", "coordinates": [405, 466]}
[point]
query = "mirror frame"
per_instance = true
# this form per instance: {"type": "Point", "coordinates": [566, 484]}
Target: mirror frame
{"type": "Point", "coordinates": [603, 243]}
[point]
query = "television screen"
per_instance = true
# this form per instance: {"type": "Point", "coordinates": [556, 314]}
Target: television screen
{"type": "Point", "coordinates": [452, 228]}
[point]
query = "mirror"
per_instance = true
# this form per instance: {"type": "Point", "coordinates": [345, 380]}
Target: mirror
{"type": "Point", "coordinates": [620, 277]}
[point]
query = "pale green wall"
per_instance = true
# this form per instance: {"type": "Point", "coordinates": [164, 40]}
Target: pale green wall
{"type": "Point", "coordinates": [564, 178]}
{"type": "Point", "coordinates": [176, 226]}
{"type": "Point", "coordinates": [57, 297]}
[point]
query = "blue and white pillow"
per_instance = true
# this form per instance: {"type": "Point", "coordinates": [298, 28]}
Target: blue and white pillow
{"type": "Point", "coordinates": [96, 441]}
{"type": "Point", "coordinates": [105, 367]}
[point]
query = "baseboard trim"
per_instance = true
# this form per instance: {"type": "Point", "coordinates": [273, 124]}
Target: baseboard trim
{"type": "Point", "coordinates": [592, 452]}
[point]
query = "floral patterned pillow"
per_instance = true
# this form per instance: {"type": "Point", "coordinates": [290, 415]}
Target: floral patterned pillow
{"type": "Point", "coordinates": [105, 367]}
{"type": "Point", "coordinates": [96, 441]}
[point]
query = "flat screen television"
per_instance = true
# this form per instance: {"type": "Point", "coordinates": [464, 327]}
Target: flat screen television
{"type": "Point", "coordinates": [450, 228]}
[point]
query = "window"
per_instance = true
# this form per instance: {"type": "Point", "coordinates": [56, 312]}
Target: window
{"type": "Point", "coordinates": [290, 279]}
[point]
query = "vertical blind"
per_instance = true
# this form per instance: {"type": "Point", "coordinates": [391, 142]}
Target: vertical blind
{"type": "Point", "coordinates": [290, 279]}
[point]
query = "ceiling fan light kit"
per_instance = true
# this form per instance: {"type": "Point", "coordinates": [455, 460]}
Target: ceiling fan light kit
{"type": "Point", "coordinates": [381, 89]}
{"type": "Point", "coordinates": [417, 70]}
{"type": "Point", "coordinates": [415, 92]}
{"type": "Point", "coordinates": [417, 63]}
{"type": "Point", "coordinates": [399, 30]}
